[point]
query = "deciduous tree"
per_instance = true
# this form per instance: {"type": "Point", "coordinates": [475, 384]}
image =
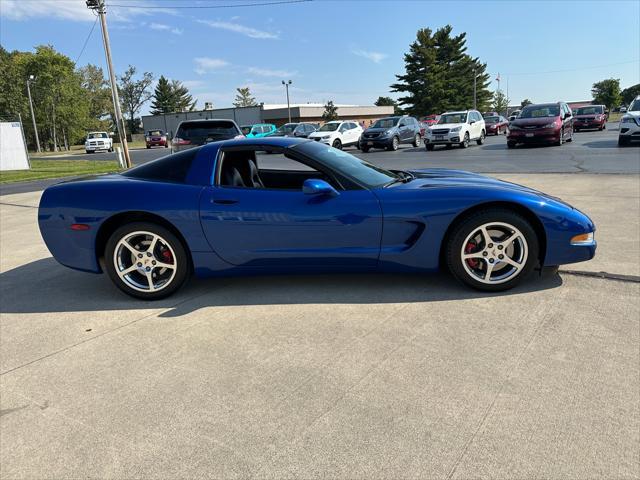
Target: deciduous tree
{"type": "Point", "coordinates": [500, 102]}
{"type": "Point", "coordinates": [607, 92]}
{"type": "Point", "coordinates": [134, 94]}
{"type": "Point", "coordinates": [525, 102]}
{"type": "Point", "coordinates": [330, 112]}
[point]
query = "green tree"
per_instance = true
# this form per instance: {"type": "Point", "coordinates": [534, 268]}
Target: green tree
{"type": "Point", "coordinates": [330, 112]}
{"type": "Point", "coordinates": [244, 98]}
{"type": "Point", "coordinates": [134, 94]}
{"type": "Point", "coordinates": [629, 94]}
{"type": "Point", "coordinates": [607, 92]}
{"type": "Point", "coordinates": [388, 102]}
{"type": "Point", "coordinates": [100, 103]}
{"type": "Point", "coordinates": [171, 96]}
{"type": "Point", "coordinates": [500, 102]}
{"type": "Point", "coordinates": [525, 102]}
{"type": "Point", "coordinates": [439, 74]}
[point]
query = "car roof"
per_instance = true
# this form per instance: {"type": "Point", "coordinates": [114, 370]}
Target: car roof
{"type": "Point", "coordinates": [282, 142]}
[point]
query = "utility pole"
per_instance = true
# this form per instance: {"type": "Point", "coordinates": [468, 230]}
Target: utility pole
{"type": "Point", "coordinates": [286, 85]}
{"type": "Point", "coordinates": [98, 5]}
{"type": "Point", "coordinates": [475, 100]}
{"type": "Point", "coordinates": [33, 117]}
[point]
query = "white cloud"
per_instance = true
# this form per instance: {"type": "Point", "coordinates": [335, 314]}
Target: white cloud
{"type": "Point", "coordinates": [75, 10]}
{"type": "Point", "coordinates": [206, 64]}
{"type": "Point", "coordinates": [193, 84]}
{"type": "Point", "coordinates": [167, 28]}
{"type": "Point", "coordinates": [375, 57]}
{"type": "Point", "coordinates": [265, 72]}
{"type": "Point", "coordinates": [241, 29]}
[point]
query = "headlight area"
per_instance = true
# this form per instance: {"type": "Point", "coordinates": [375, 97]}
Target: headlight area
{"type": "Point", "coordinates": [584, 239]}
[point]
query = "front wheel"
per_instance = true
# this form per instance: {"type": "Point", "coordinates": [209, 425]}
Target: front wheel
{"type": "Point", "coordinates": [622, 141]}
{"type": "Point", "coordinates": [511, 144]}
{"type": "Point", "coordinates": [480, 140]}
{"type": "Point", "coordinates": [393, 146]}
{"type": "Point", "coordinates": [146, 261]}
{"type": "Point", "coordinates": [492, 250]}
{"type": "Point", "coordinates": [561, 139]}
{"type": "Point", "coordinates": [365, 149]}
{"type": "Point", "coordinates": [429, 147]}
{"type": "Point", "coordinates": [417, 140]}
{"type": "Point", "coordinates": [337, 144]}
{"type": "Point", "coordinates": [465, 141]}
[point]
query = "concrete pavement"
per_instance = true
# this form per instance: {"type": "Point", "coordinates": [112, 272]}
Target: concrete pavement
{"type": "Point", "coordinates": [356, 376]}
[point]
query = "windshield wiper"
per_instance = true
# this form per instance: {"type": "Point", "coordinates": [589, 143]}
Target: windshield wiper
{"type": "Point", "coordinates": [404, 177]}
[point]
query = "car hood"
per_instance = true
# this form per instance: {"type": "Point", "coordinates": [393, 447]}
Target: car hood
{"type": "Point", "coordinates": [377, 130]}
{"type": "Point", "coordinates": [446, 125]}
{"type": "Point", "coordinates": [588, 115]}
{"type": "Point", "coordinates": [322, 134]}
{"type": "Point", "coordinates": [534, 122]}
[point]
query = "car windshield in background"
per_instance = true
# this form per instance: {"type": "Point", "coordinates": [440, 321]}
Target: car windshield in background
{"type": "Point", "coordinates": [246, 129]}
{"type": "Point", "coordinates": [155, 133]}
{"type": "Point", "coordinates": [351, 167]}
{"type": "Point", "coordinates": [635, 106]}
{"type": "Point", "coordinates": [329, 127]}
{"type": "Point", "coordinates": [453, 118]}
{"type": "Point", "coordinates": [386, 123]}
{"type": "Point", "coordinates": [540, 112]}
{"type": "Point", "coordinates": [287, 128]}
{"type": "Point", "coordinates": [98, 135]}
{"type": "Point", "coordinates": [491, 119]}
{"type": "Point", "coordinates": [588, 111]}
{"type": "Point", "coordinates": [202, 132]}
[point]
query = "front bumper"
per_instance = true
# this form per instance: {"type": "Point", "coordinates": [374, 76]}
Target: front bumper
{"type": "Point", "coordinates": [377, 142]}
{"type": "Point", "coordinates": [630, 130]}
{"type": "Point", "coordinates": [157, 144]}
{"type": "Point", "coordinates": [577, 124]}
{"type": "Point", "coordinates": [95, 148]}
{"type": "Point", "coordinates": [450, 138]}
{"type": "Point", "coordinates": [538, 135]}
{"type": "Point", "coordinates": [326, 141]}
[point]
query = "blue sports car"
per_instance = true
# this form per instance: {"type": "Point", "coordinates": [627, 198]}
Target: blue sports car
{"type": "Point", "coordinates": [286, 205]}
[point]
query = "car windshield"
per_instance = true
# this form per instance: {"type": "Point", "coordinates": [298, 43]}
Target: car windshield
{"type": "Point", "coordinates": [589, 110]}
{"type": "Point", "coordinates": [540, 111]}
{"type": "Point", "coordinates": [352, 167]}
{"type": "Point", "coordinates": [245, 129]}
{"type": "Point", "coordinates": [491, 119]}
{"type": "Point", "coordinates": [329, 127]}
{"type": "Point", "coordinates": [635, 106]}
{"type": "Point", "coordinates": [452, 118]}
{"type": "Point", "coordinates": [287, 128]}
{"type": "Point", "coordinates": [386, 122]}
{"type": "Point", "coordinates": [98, 135]}
{"type": "Point", "coordinates": [155, 132]}
{"type": "Point", "coordinates": [203, 132]}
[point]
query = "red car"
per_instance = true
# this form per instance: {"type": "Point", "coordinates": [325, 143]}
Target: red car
{"type": "Point", "coordinates": [496, 125]}
{"type": "Point", "coordinates": [593, 116]}
{"type": "Point", "coordinates": [430, 120]}
{"type": "Point", "coordinates": [542, 123]}
{"type": "Point", "coordinates": [156, 138]}
{"type": "Point", "coordinates": [490, 114]}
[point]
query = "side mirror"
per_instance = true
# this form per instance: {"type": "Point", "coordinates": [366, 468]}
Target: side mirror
{"type": "Point", "coordinates": [314, 186]}
{"type": "Point", "coordinates": [471, 122]}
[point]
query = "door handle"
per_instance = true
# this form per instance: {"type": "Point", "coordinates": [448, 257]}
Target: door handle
{"type": "Point", "coordinates": [225, 201]}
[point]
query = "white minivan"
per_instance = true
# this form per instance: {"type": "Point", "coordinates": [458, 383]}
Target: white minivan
{"type": "Point", "coordinates": [456, 128]}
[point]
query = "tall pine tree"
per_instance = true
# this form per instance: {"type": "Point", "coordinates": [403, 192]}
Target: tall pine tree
{"type": "Point", "coordinates": [171, 96]}
{"type": "Point", "coordinates": [244, 98]}
{"type": "Point", "coordinates": [439, 74]}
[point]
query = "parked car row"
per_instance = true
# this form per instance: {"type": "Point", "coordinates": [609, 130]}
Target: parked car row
{"type": "Point", "coordinates": [629, 129]}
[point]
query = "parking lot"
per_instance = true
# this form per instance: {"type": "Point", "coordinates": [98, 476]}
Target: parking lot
{"type": "Point", "coordinates": [353, 376]}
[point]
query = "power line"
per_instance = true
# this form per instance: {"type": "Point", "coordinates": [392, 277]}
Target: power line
{"type": "Point", "coordinates": [255, 4]}
{"type": "Point", "coordinates": [86, 40]}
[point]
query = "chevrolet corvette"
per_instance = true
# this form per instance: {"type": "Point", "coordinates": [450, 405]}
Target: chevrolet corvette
{"type": "Point", "coordinates": [288, 205]}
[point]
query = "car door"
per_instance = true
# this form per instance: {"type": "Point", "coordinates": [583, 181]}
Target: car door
{"type": "Point", "coordinates": [568, 121]}
{"type": "Point", "coordinates": [267, 227]}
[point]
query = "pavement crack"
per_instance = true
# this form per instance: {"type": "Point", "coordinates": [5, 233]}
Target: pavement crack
{"type": "Point", "coordinates": [17, 205]}
{"type": "Point", "coordinates": [603, 275]}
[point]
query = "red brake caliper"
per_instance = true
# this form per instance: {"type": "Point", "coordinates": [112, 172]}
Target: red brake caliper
{"type": "Point", "coordinates": [166, 255]}
{"type": "Point", "coordinates": [472, 262]}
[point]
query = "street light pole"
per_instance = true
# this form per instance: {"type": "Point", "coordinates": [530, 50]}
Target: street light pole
{"type": "Point", "coordinates": [286, 86]}
{"type": "Point", "coordinates": [475, 100]}
{"type": "Point", "coordinates": [99, 6]}
{"type": "Point", "coordinates": [33, 117]}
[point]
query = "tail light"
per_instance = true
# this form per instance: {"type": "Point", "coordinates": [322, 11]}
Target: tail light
{"type": "Point", "coordinates": [239, 136]}
{"type": "Point", "coordinates": [181, 141]}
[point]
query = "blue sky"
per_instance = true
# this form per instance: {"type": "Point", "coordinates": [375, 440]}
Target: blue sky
{"type": "Point", "coordinates": [346, 51]}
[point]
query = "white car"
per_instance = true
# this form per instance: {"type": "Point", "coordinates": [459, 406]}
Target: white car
{"type": "Point", "coordinates": [338, 133]}
{"type": "Point", "coordinates": [630, 124]}
{"type": "Point", "coordinates": [98, 141]}
{"type": "Point", "coordinates": [513, 115]}
{"type": "Point", "coordinates": [456, 128]}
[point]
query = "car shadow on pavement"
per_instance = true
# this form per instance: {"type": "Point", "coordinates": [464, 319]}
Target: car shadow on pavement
{"type": "Point", "coordinates": [44, 286]}
{"type": "Point", "coordinates": [609, 143]}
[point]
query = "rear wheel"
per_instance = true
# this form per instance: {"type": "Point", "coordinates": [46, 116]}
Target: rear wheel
{"type": "Point", "coordinates": [492, 250]}
{"type": "Point", "coordinates": [337, 144]}
{"type": "Point", "coordinates": [417, 140]}
{"type": "Point", "coordinates": [146, 261]}
{"type": "Point", "coordinates": [429, 147]}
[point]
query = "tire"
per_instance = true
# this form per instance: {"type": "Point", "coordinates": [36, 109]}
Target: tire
{"type": "Point", "coordinates": [480, 140]}
{"type": "Point", "coordinates": [448, 145]}
{"type": "Point", "coordinates": [88, 151]}
{"type": "Point", "coordinates": [511, 144]}
{"type": "Point", "coordinates": [465, 141]}
{"type": "Point", "coordinates": [561, 140]}
{"type": "Point", "coordinates": [417, 140]}
{"type": "Point", "coordinates": [393, 146]}
{"type": "Point", "coordinates": [337, 144]}
{"type": "Point", "coordinates": [166, 145]}
{"type": "Point", "coordinates": [429, 147]}
{"type": "Point", "coordinates": [148, 147]}
{"type": "Point", "coordinates": [502, 225]}
{"type": "Point", "coordinates": [570, 139]}
{"type": "Point", "coordinates": [622, 141]}
{"type": "Point", "coordinates": [365, 149]}
{"type": "Point", "coordinates": [118, 258]}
